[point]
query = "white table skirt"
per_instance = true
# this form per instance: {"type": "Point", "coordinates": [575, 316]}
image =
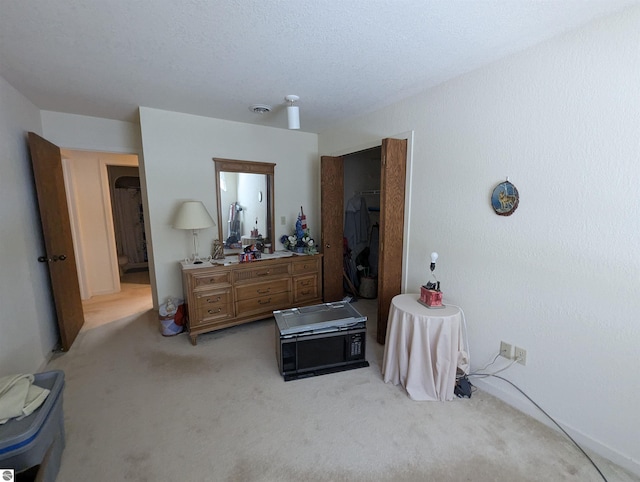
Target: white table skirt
{"type": "Point", "coordinates": [423, 348]}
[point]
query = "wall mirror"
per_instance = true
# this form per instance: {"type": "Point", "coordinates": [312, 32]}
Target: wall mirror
{"type": "Point", "coordinates": [244, 194]}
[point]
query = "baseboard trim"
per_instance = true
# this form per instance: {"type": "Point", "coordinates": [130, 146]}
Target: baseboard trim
{"type": "Point", "coordinates": [517, 401]}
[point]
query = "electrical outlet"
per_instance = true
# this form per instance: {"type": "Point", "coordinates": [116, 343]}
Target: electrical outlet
{"type": "Point", "coordinates": [505, 350]}
{"type": "Point", "coordinates": [520, 354]}
{"type": "Point", "coordinates": [283, 220]}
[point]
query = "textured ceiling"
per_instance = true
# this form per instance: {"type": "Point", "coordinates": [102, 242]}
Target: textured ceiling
{"type": "Point", "coordinates": [217, 57]}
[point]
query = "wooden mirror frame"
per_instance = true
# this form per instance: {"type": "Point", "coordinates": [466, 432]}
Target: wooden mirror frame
{"type": "Point", "coordinates": [249, 167]}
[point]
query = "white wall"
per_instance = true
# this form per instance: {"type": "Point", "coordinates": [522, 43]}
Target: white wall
{"type": "Point", "coordinates": [91, 133]}
{"type": "Point", "coordinates": [178, 166]}
{"type": "Point", "coordinates": [28, 330]}
{"type": "Point", "coordinates": [560, 276]}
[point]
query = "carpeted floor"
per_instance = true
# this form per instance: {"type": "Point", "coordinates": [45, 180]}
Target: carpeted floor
{"type": "Point", "coordinates": [142, 407]}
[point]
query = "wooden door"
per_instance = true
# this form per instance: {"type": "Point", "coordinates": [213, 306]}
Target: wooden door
{"type": "Point", "coordinates": [332, 215]}
{"type": "Point", "coordinates": [392, 187]}
{"type": "Point", "coordinates": [56, 227]}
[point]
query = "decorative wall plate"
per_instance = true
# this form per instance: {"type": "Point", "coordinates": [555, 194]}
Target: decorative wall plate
{"type": "Point", "coordinates": [505, 198]}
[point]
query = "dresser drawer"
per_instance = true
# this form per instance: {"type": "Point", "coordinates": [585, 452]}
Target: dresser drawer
{"type": "Point", "coordinates": [257, 273]}
{"type": "Point", "coordinates": [305, 288]}
{"type": "Point", "coordinates": [264, 304]}
{"type": "Point", "coordinates": [210, 279]}
{"type": "Point", "coordinates": [306, 266]}
{"type": "Point", "coordinates": [206, 316]}
{"type": "Point", "coordinates": [213, 305]}
{"type": "Point", "coordinates": [213, 298]}
{"type": "Point", "coordinates": [257, 290]}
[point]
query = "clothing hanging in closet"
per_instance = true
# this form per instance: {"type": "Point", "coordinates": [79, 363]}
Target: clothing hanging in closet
{"type": "Point", "coordinates": [356, 222]}
{"type": "Point", "coordinates": [129, 224]}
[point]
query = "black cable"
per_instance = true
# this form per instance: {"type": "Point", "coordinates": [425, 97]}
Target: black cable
{"type": "Point", "coordinates": [548, 416]}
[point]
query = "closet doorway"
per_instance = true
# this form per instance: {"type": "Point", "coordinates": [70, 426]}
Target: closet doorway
{"type": "Point", "coordinates": [361, 222]}
{"type": "Point", "coordinates": [391, 197]}
{"type": "Point", "coordinates": [128, 219]}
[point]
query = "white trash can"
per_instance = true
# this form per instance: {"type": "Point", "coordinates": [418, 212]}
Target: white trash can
{"type": "Point", "coordinates": [171, 315]}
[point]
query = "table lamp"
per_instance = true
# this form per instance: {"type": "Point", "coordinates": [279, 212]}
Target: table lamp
{"type": "Point", "coordinates": [430, 294]}
{"type": "Point", "coordinates": [193, 215]}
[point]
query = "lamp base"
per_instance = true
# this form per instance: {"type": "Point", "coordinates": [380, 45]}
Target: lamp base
{"type": "Point", "coordinates": [430, 298]}
{"type": "Point", "coordinates": [439, 307]}
{"type": "Point", "coordinates": [196, 260]}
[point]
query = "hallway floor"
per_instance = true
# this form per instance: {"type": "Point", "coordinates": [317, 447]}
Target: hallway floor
{"type": "Point", "coordinates": [134, 298]}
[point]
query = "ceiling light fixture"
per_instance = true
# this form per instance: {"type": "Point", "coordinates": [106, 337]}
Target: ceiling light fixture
{"type": "Point", "coordinates": [293, 113]}
{"type": "Point", "coordinates": [260, 108]}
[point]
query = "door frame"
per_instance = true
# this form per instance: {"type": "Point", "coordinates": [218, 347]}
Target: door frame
{"type": "Point", "coordinates": [409, 137]}
{"type": "Point", "coordinates": [70, 190]}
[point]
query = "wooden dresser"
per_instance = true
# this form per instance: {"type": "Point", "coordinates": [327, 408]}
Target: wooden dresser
{"type": "Point", "coordinates": [222, 295]}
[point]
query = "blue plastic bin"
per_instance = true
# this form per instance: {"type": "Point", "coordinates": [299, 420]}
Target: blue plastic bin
{"type": "Point", "coordinates": [25, 443]}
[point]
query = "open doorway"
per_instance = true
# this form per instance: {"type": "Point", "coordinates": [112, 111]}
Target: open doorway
{"type": "Point", "coordinates": [105, 198]}
{"type": "Point", "coordinates": [362, 222]}
{"type": "Point", "coordinates": [128, 219]}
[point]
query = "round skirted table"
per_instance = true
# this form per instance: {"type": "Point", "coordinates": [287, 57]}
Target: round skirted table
{"type": "Point", "coordinates": [423, 348]}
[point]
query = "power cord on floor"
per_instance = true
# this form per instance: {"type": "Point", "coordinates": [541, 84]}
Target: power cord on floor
{"type": "Point", "coordinates": [461, 374]}
{"type": "Point", "coordinates": [495, 374]}
{"type": "Point", "coordinates": [488, 364]}
{"type": "Point", "coordinates": [484, 375]}
{"type": "Point", "coordinates": [462, 377]}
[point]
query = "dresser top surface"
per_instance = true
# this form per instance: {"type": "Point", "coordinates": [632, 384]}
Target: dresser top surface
{"type": "Point", "coordinates": [233, 260]}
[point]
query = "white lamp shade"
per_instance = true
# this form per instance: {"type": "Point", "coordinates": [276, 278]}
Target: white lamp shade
{"type": "Point", "coordinates": [193, 215]}
{"type": "Point", "coordinates": [293, 116]}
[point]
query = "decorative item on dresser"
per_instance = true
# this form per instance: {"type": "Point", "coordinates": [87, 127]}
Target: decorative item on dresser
{"type": "Point", "coordinates": [220, 295]}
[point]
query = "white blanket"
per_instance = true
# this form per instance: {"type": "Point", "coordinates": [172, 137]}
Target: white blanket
{"type": "Point", "coordinates": [19, 397]}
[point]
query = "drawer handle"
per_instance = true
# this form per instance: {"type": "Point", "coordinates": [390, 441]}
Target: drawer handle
{"type": "Point", "coordinates": [305, 283]}
{"type": "Point", "coordinates": [209, 300]}
{"type": "Point", "coordinates": [263, 292]}
{"type": "Point", "coordinates": [264, 274]}
{"type": "Point", "coordinates": [306, 292]}
{"type": "Point", "coordinates": [211, 312]}
{"type": "Point", "coordinates": [264, 302]}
